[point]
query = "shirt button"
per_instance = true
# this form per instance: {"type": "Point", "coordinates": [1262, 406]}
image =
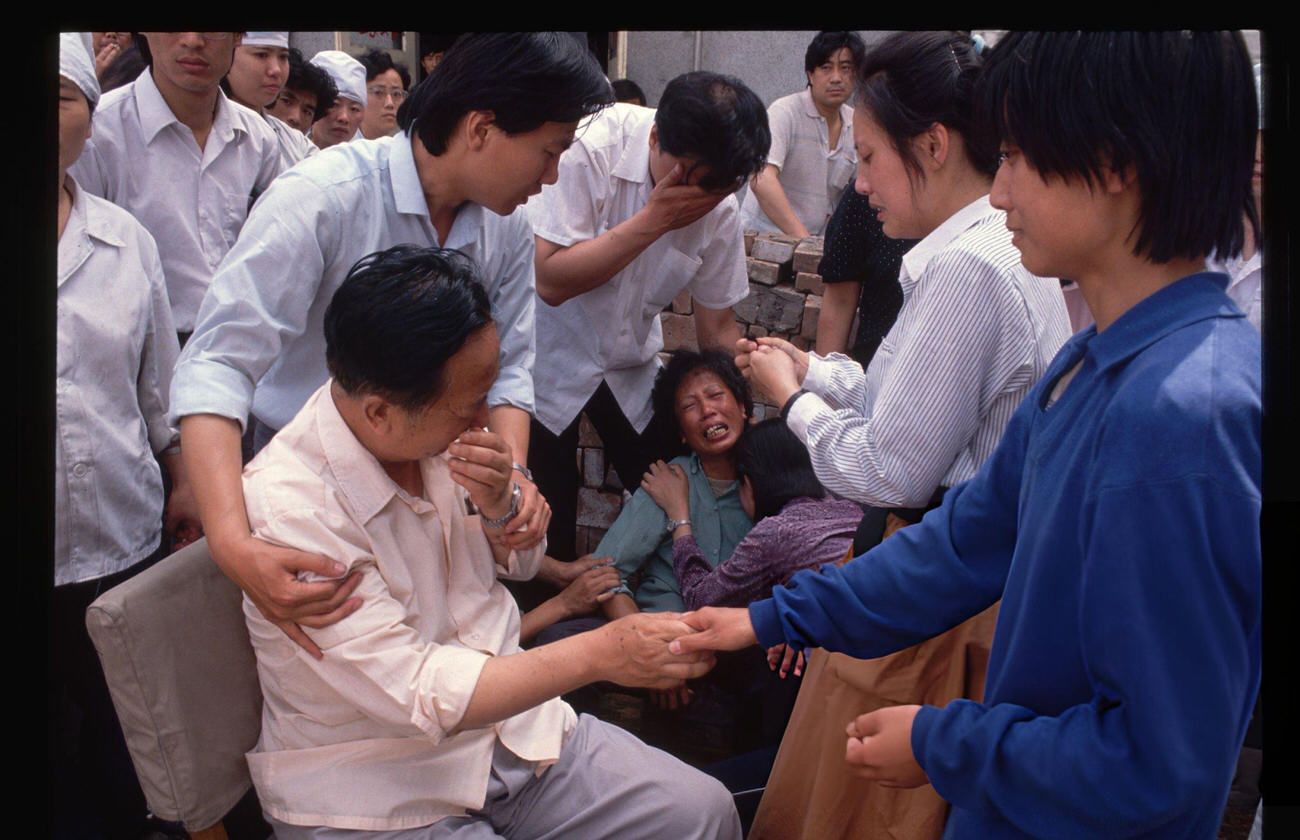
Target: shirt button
{"type": "Point", "coordinates": [79, 470]}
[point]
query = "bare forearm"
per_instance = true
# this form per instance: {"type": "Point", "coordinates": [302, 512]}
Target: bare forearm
{"type": "Point", "coordinates": [540, 617]}
{"type": "Point", "coordinates": [512, 684]}
{"type": "Point", "coordinates": [766, 186]}
{"type": "Point", "coordinates": [511, 423]}
{"type": "Point", "coordinates": [716, 328]}
{"type": "Point", "coordinates": [566, 272]}
{"type": "Point", "coordinates": [211, 458]}
{"type": "Point", "coordinates": [620, 605]}
{"type": "Point", "coordinates": [839, 305]}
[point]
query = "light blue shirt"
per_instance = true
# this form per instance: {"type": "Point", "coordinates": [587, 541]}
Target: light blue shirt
{"type": "Point", "coordinates": [640, 537]}
{"type": "Point", "coordinates": [260, 338]}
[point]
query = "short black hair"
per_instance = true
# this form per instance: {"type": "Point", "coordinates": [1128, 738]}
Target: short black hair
{"type": "Point", "coordinates": [524, 78]}
{"type": "Point", "coordinates": [1178, 109]}
{"type": "Point", "coordinates": [718, 121]}
{"type": "Point", "coordinates": [397, 319]}
{"type": "Point", "coordinates": [378, 61]}
{"type": "Point", "coordinates": [777, 465]}
{"type": "Point", "coordinates": [303, 75]}
{"type": "Point", "coordinates": [626, 90]}
{"type": "Point", "coordinates": [826, 44]}
{"type": "Point", "coordinates": [912, 80]}
{"type": "Point", "coordinates": [681, 364]}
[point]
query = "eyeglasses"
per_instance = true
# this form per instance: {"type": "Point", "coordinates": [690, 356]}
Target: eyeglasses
{"type": "Point", "coordinates": [379, 93]}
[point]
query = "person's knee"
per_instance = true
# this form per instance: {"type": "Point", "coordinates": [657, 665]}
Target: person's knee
{"type": "Point", "coordinates": [702, 807]}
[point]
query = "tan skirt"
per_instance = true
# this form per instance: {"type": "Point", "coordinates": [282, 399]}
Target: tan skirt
{"type": "Point", "coordinates": [811, 793]}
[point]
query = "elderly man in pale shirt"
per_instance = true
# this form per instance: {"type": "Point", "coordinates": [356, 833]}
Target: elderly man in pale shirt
{"type": "Point", "coordinates": [424, 719]}
{"type": "Point", "coordinates": [812, 155]}
{"type": "Point", "coordinates": [172, 150]}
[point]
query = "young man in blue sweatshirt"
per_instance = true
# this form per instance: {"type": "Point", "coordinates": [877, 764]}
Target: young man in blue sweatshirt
{"type": "Point", "coordinates": [1118, 520]}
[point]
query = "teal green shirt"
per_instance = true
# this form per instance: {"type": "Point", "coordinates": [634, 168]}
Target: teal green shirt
{"type": "Point", "coordinates": [638, 537]}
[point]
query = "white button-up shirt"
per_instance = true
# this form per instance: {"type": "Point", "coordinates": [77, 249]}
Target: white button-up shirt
{"type": "Point", "coordinates": [812, 173]}
{"type": "Point", "coordinates": [116, 349]}
{"type": "Point", "coordinates": [975, 331]}
{"type": "Point", "coordinates": [262, 323]}
{"type": "Point", "coordinates": [612, 332]}
{"type": "Point", "coordinates": [193, 201]}
{"type": "Point", "coordinates": [368, 737]}
{"type": "Point", "coordinates": [1245, 283]}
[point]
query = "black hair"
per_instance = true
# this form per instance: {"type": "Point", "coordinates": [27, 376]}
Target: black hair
{"type": "Point", "coordinates": [378, 61]}
{"type": "Point", "coordinates": [1177, 109]}
{"type": "Point", "coordinates": [626, 90]}
{"type": "Point", "coordinates": [524, 78]}
{"type": "Point", "coordinates": [142, 45]}
{"type": "Point", "coordinates": [681, 364]}
{"type": "Point", "coordinates": [777, 465]}
{"type": "Point", "coordinates": [826, 44]}
{"type": "Point", "coordinates": [913, 80]}
{"type": "Point", "coordinates": [303, 75]}
{"type": "Point", "coordinates": [397, 319]}
{"type": "Point", "coordinates": [718, 121]}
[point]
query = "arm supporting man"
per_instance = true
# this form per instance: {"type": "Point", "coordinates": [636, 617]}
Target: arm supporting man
{"type": "Point", "coordinates": [771, 197]}
{"type": "Point", "coordinates": [716, 328]}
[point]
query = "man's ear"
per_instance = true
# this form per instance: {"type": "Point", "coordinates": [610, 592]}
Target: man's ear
{"type": "Point", "coordinates": [475, 128]}
{"type": "Point", "coordinates": [654, 139]}
{"type": "Point", "coordinates": [380, 414]}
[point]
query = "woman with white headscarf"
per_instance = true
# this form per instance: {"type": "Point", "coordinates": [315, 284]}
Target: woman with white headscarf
{"type": "Point", "coordinates": [116, 349]}
{"type": "Point", "coordinates": [258, 73]}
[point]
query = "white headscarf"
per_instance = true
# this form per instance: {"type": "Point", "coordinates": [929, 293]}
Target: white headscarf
{"type": "Point", "coordinates": [75, 63]}
{"type": "Point", "coordinates": [265, 39]}
{"type": "Point", "coordinates": [349, 75]}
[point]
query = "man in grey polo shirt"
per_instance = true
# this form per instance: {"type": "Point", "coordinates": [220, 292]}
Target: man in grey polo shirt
{"type": "Point", "coordinates": [812, 155]}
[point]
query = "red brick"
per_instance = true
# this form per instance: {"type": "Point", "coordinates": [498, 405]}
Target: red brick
{"type": "Point", "coordinates": [587, 433]}
{"type": "Point", "coordinates": [766, 273]}
{"type": "Point", "coordinates": [679, 331]}
{"type": "Point", "coordinates": [772, 250]}
{"type": "Point", "coordinates": [805, 282]}
{"type": "Point", "coordinates": [808, 255]}
{"type": "Point", "coordinates": [800, 342]}
{"type": "Point", "coordinates": [812, 310]}
{"type": "Point", "coordinates": [682, 304]}
{"type": "Point", "coordinates": [749, 240]}
{"type": "Point", "coordinates": [755, 331]}
{"type": "Point", "coordinates": [593, 467]}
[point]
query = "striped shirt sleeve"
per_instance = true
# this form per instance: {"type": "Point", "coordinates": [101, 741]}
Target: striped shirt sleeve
{"type": "Point", "coordinates": [961, 338]}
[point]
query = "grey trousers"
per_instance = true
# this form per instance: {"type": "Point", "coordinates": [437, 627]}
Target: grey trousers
{"type": "Point", "coordinates": [607, 783]}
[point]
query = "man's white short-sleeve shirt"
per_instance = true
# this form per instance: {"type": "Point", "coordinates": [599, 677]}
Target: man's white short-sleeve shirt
{"type": "Point", "coordinates": [812, 174]}
{"type": "Point", "coordinates": [193, 201]}
{"type": "Point", "coordinates": [612, 332]}
{"type": "Point", "coordinates": [262, 324]}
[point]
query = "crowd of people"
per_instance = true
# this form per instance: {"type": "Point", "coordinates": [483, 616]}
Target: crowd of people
{"type": "Point", "coordinates": [993, 571]}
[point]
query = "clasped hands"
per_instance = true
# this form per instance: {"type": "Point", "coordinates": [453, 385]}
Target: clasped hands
{"type": "Point", "coordinates": [773, 365]}
{"type": "Point", "coordinates": [879, 743]}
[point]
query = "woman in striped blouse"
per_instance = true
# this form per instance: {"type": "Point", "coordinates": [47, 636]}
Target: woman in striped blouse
{"type": "Point", "coordinates": [975, 331]}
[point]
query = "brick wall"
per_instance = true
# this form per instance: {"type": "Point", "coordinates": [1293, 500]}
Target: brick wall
{"type": "Point", "coordinates": [785, 299]}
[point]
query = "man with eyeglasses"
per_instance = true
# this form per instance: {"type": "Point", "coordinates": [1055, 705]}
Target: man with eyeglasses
{"type": "Point", "coordinates": [386, 86]}
{"type": "Point", "coordinates": [172, 150]}
{"type": "Point", "coordinates": [643, 209]}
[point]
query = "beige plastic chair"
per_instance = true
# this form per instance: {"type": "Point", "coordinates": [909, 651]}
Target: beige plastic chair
{"type": "Point", "coordinates": [183, 679]}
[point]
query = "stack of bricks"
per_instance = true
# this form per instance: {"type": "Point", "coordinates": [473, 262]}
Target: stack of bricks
{"type": "Point", "coordinates": [785, 299]}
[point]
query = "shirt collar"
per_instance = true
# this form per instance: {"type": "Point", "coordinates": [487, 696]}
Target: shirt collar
{"type": "Point", "coordinates": [97, 225]}
{"type": "Point", "coordinates": [156, 114]}
{"type": "Point", "coordinates": [916, 259]}
{"type": "Point", "coordinates": [360, 477]}
{"type": "Point", "coordinates": [1196, 297]}
{"type": "Point", "coordinates": [634, 164]}
{"type": "Point", "coordinates": [408, 195]}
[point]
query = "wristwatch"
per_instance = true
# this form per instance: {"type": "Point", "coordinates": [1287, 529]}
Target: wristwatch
{"type": "Point", "coordinates": [510, 514]}
{"type": "Point", "coordinates": [674, 523]}
{"type": "Point", "coordinates": [524, 471]}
